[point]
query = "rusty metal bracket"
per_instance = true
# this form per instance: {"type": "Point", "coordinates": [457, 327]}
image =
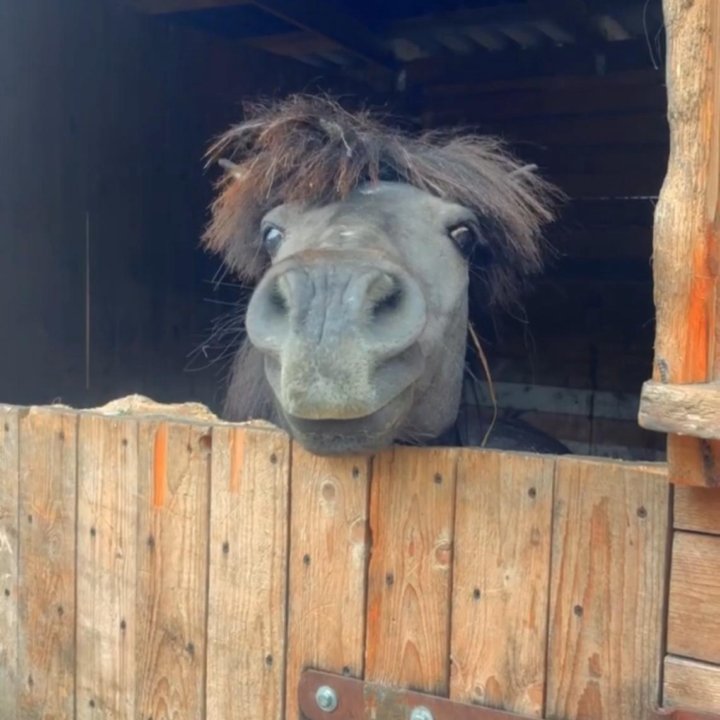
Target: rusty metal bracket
{"type": "Point", "coordinates": [350, 699]}
{"type": "Point", "coordinates": [683, 714]}
{"type": "Point", "coordinates": [327, 696]}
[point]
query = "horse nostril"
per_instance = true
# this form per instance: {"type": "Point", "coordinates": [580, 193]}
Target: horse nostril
{"type": "Point", "coordinates": [277, 300]}
{"type": "Point", "coordinates": [387, 304]}
{"type": "Point", "coordinates": [384, 295]}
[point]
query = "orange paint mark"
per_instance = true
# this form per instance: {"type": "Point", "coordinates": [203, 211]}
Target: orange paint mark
{"type": "Point", "coordinates": [699, 316]}
{"type": "Point", "coordinates": [160, 457]}
{"type": "Point", "coordinates": [237, 453]}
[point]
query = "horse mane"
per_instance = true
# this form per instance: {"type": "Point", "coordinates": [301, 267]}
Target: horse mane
{"type": "Point", "coordinates": [311, 151]}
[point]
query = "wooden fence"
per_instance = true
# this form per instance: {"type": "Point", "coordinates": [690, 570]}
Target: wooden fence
{"type": "Point", "coordinates": [152, 568]}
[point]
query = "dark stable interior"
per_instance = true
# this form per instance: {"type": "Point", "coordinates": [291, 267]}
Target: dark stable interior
{"type": "Point", "coordinates": [108, 108]}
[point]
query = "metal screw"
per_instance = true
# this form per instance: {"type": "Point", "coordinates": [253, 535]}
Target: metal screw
{"type": "Point", "coordinates": [326, 698]}
{"type": "Point", "coordinates": [421, 713]}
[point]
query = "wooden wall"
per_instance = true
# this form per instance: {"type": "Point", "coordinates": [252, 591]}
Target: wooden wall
{"type": "Point", "coordinates": [106, 116]}
{"type": "Point", "coordinates": [151, 567]}
{"type": "Point", "coordinates": [588, 324]}
{"type": "Point", "coordinates": [692, 666]}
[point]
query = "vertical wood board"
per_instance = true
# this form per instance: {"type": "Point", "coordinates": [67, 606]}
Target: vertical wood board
{"type": "Point", "coordinates": [686, 241]}
{"type": "Point", "coordinates": [607, 591]}
{"type": "Point", "coordinates": [248, 574]}
{"type": "Point", "coordinates": [501, 569]}
{"type": "Point", "coordinates": [106, 567]}
{"type": "Point", "coordinates": [328, 567]}
{"type": "Point", "coordinates": [697, 509]}
{"type": "Point", "coordinates": [46, 597]}
{"type": "Point", "coordinates": [172, 554]}
{"type": "Point", "coordinates": [691, 684]}
{"type": "Point", "coordinates": [9, 536]}
{"type": "Point", "coordinates": [411, 519]}
{"type": "Point", "coordinates": [694, 605]}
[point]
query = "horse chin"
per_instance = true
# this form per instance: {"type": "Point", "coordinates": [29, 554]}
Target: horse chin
{"type": "Point", "coordinates": [364, 436]}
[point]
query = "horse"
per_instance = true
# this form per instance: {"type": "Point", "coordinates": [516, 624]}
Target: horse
{"type": "Point", "coordinates": [369, 249]}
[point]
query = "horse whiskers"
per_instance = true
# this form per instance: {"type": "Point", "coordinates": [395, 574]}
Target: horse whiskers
{"type": "Point", "coordinates": [488, 375]}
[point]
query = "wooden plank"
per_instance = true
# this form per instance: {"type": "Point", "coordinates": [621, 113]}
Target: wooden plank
{"type": "Point", "coordinates": [607, 587]}
{"type": "Point", "coordinates": [325, 19]}
{"type": "Point", "coordinates": [642, 128]}
{"type": "Point", "coordinates": [329, 550]}
{"type": "Point", "coordinates": [697, 509]}
{"type": "Point", "coordinates": [9, 535]}
{"type": "Point", "coordinates": [46, 594]}
{"type": "Point", "coordinates": [692, 409]}
{"type": "Point", "coordinates": [686, 225]}
{"type": "Point", "coordinates": [499, 601]}
{"type": "Point", "coordinates": [694, 605]}
{"type": "Point", "coordinates": [584, 99]}
{"type": "Point", "coordinates": [408, 613]}
{"type": "Point", "coordinates": [106, 561]}
{"type": "Point", "coordinates": [172, 578]}
{"type": "Point", "coordinates": [163, 7]}
{"type": "Point", "coordinates": [690, 684]}
{"type": "Point", "coordinates": [248, 574]}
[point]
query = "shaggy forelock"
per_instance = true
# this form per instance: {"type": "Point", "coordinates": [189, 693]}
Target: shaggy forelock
{"type": "Point", "coordinates": [309, 150]}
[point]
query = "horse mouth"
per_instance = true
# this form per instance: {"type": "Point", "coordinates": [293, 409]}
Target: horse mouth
{"type": "Point", "coordinates": [364, 435]}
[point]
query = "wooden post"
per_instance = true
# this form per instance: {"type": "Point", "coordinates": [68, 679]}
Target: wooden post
{"type": "Point", "coordinates": [686, 241]}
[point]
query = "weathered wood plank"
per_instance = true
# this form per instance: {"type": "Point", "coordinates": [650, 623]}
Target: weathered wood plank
{"type": "Point", "coordinates": [106, 567]}
{"type": "Point", "coordinates": [248, 574]}
{"type": "Point", "coordinates": [610, 96]}
{"type": "Point", "coordinates": [329, 550]}
{"type": "Point", "coordinates": [687, 225]}
{"type": "Point", "coordinates": [46, 596]}
{"type": "Point", "coordinates": [408, 613]}
{"type": "Point", "coordinates": [607, 587]}
{"type": "Point", "coordinates": [694, 606]}
{"type": "Point", "coordinates": [691, 684]}
{"type": "Point", "coordinates": [9, 535]}
{"type": "Point", "coordinates": [162, 7]}
{"type": "Point", "coordinates": [500, 577]}
{"type": "Point", "coordinates": [697, 509]}
{"type": "Point", "coordinates": [692, 409]}
{"type": "Point", "coordinates": [173, 501]}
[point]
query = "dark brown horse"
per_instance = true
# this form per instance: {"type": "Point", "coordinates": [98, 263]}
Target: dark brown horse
{"type": "Point", "coordinates": [368, 247]}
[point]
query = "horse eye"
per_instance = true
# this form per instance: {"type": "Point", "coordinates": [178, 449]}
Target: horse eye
{"type": "Point", "coordinates": [272, 236]}
{"type": "Point", "coordinates": [463, 236]}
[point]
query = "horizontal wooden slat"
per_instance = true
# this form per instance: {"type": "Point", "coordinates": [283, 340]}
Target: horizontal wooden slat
{"type": "Point", "coordinates": [162, 7]}
{"type": "Point", "coordinates": [697, 509]}
{"type": "Point", "coordinates": [533, 102]}
{"type": "Point", "coordinates": [692, 410]}
{"type": "Point", "coordinates": [691, 684]}
{"type": "Point", "coordinates": [645, 128]}
{"type": "Point", "coordinates": [694, 607]}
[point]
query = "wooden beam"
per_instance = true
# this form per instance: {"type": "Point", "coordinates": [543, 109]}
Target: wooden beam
{"type": "Point", "coordinates": [681, 409]}
{"type": "Point", "coordinates": [165, 7]}
{"type": "Point", "coordinates": [322, 18]}
{"type": "Point", "coordinates": [687, 226]}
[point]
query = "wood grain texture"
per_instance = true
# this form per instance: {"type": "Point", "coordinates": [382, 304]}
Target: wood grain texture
{"type": "Point", "coordinates": [687, 224]}
{"type": "Point", "coordinates": [172, 569]}
{"type": "Point", "coordinates": [694, 606]}
{"type": "Point", "coordinates": [46, 596]}
{"type": "Point", "coordinates": [408, 614]}
{"type": "Point", "coordinates": [501, 569]}
{"type": "Point", "coordinates": [106, 567]}
{"type": "Point", "coordinates": [697, 509]}
{"type": "Point", "coordinates": [9, 535]}
{"type": "Point", "coordinates": [607, 588]}
{"type": "Point", "coordinates": [248, 574]}
{"type": "Point", "coordinates": [692, 409]}
{"type": "Point", "coordinates": [691, 684]}
{"type": "Point", "coordinates": [329, 548]}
